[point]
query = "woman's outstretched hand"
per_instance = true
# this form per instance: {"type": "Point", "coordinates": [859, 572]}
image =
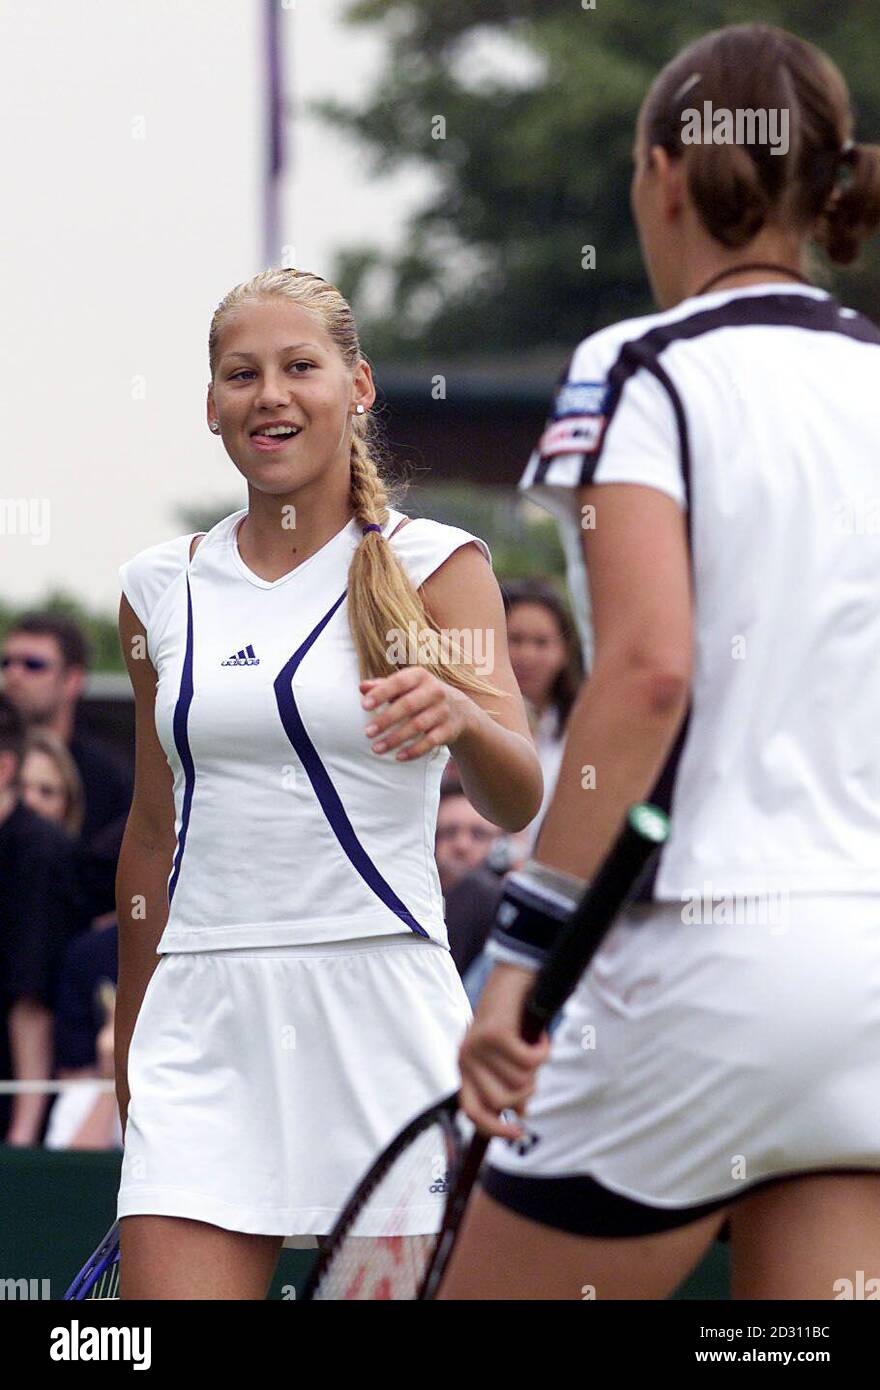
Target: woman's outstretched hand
{"type": "Point", "coordinates": [417, 706]}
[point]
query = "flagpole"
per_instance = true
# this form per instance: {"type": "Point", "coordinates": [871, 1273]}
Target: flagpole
{"type": "Point", "coordinates": [275, 151]}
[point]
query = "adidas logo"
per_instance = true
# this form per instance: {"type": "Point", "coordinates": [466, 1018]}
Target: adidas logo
{"type": "Point", "coordinates": [243, 658]}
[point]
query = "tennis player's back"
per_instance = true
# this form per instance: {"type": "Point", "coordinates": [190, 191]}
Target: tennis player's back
{"type": "Point", "coordinates": [782, 758]}
{"type": "Point", "coordinates": [757, 410]}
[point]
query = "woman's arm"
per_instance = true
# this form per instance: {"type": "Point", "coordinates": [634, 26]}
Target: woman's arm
{"type": "Point", "coordinates": [619, 734]}
{"type": "Point", "coordinates": [628, 714]}
{"type": "Point", "coordinates": [146, 853]}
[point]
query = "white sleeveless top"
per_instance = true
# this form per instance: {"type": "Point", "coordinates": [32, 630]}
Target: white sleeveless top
{"type": "Point", "coordinates": [289, 827]}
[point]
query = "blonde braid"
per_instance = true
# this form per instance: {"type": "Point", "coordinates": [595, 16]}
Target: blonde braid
{"type": "Point", "coordinates": [381, 598]}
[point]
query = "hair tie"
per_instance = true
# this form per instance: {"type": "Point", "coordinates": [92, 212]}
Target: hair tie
{"type": "Point", "coordinates": [686, 86]}
{"type": "Point", "coordinates": [372, 527]}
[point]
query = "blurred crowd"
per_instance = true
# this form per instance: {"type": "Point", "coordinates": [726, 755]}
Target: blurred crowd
{"type": "Point", "coordinates": [64, 801]}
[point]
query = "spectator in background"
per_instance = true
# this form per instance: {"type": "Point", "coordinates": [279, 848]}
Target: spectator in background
{"type": "Point", "coordinates": [87, 1118]}
{"type": "Point", "coordinates": [546, 656]}
{"type": "Point", "coordinates": [472, 855]}
{"type": "Point", "coordinates": [51, 786]}
{"type": "Point", "coordinates": [45, 662]}
{"type": "Point", "coordinates": [41, 908]}
{"type": "Point", "coordinates": [463, 837]}
{"type": "Point", "coordinates": [98, 872]}
{"type": "Point", "coordinates": [50, 781]}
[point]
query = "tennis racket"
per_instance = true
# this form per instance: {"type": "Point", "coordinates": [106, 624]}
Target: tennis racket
{"type": "Point", "coordinates": [99, 1276]}
{"type": "Point", "coordinates": [396, 1233]}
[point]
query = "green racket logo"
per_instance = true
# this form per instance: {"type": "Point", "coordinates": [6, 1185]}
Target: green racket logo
{"type": "Point", "coordinates": [649, 822]}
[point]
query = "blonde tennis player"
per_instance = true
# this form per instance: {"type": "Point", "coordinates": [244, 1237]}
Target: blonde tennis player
{"type": "Point", "coordinates": [302, 673]}
{"type": "Point", "coordinates": [716, 469]}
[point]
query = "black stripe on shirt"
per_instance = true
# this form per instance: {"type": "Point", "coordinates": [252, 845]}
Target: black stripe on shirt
{"type": "Point", "coordinates": [751, 311]}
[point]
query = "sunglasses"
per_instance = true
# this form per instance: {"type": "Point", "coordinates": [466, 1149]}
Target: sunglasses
{"type": "Point", "coordinates": [30, 663]}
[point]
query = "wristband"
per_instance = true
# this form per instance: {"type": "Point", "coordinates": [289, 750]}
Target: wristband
{"type": "Point", "coordinates": [557, 880]}
{"type": "Point", "coordinates": [536, 903]}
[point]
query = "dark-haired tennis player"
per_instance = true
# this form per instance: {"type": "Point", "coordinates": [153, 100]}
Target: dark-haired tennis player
{"type": "Point", "coordinates": [301, 673]}
{"type": "Point", "coordinates": [716, 470]}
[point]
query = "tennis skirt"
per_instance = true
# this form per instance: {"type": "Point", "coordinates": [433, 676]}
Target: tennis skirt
{"type": "Point", "coordinates": [699, 1061]}
{"type": "Point", "coordinates": [265, 1081]}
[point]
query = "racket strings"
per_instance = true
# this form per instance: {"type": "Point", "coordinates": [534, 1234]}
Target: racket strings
{"type": "Point", "coordinates": [107, 1284]}
{"type": "Point", "coordinates": [386, 1251]}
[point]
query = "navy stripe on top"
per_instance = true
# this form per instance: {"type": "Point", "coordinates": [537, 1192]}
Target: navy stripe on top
{"type": "Point", "coordinates": [181, 742]}
{"type": "Point", "coordinates": [324, 789]}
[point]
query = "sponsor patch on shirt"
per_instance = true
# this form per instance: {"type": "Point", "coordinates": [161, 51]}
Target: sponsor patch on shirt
{"type": "Point", "coordinates": [577, 434]}
{"type": "Point", "coordinates": [577, 421]}
{"type": "Point", "coordinates": [580, 398]}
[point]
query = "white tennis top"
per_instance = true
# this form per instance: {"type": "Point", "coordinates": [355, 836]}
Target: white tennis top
{"type": "Point", "coordinates": [289, 827]}
{"type": "Point", "coordinates": [758, 411]}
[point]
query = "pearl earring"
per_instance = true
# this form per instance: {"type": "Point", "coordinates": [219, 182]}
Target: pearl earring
{"type": "Point", "coordinates": [215, 426]}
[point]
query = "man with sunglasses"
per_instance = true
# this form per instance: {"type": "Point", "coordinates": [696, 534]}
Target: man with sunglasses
{"type": "Point", "coordinates": [44, 665]}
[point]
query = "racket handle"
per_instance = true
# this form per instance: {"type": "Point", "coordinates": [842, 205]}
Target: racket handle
{"type": "Point", "coordinates": [645, 829]}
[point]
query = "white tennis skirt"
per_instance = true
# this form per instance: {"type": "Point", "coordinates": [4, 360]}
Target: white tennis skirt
{"type": "Point", "coordinates": [697, 1059]}
{"type": "Point", "coordinates": [265, 1081]}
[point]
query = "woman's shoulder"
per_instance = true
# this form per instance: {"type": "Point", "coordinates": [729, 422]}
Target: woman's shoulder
{"type": "Point", "coordinates": [422, 544]}
{"type": "Point", "coordinates": [595, 355]}
{"type": "Point", "coordinates": [146, 576]}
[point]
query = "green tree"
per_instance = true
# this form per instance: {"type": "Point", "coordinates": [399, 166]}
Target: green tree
{"type": "Point", "coordinates": [532, 168]}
